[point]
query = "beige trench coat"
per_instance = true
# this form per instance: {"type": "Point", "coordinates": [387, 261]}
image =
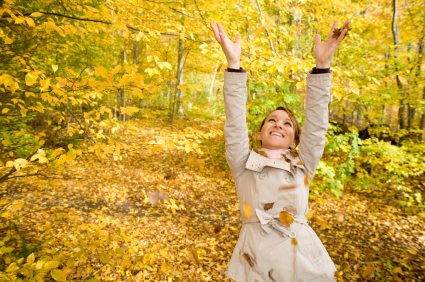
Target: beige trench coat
{"type": "Point", "coordinates": [264, 251]}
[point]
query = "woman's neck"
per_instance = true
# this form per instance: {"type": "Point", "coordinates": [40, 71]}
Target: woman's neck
{"type": "Point", "coordinates": [275, 154]}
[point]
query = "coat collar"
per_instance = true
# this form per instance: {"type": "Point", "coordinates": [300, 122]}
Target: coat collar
{"type": "Point", "coordinates": [257, 162]}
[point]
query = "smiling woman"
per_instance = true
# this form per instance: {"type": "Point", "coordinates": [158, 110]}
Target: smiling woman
{"type": "Point", "coordinates": [275, 242]}
{"type": "Point", "coordinates": [282, 123]}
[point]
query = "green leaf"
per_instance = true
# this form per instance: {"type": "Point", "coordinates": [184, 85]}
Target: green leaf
{"type": "Point", "coordinates": [57, 275]}
{"type": "Point", "coordinates": [70, 262]}
{"type": "Point", "coordinates": [93, 280]}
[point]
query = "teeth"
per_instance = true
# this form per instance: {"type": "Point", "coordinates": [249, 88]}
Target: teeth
{"type": "Point", "coordinates": [278, 134]}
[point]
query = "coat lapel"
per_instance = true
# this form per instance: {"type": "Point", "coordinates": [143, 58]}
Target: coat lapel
{"type": "Point", "coordinates": [257, 162]}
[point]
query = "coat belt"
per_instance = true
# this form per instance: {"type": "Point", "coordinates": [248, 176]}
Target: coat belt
{"type": "Point", "coordinates": [269, 222]}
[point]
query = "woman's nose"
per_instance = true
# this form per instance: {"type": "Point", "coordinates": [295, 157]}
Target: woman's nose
{"type": "Point", "coordinates": [278, 125]}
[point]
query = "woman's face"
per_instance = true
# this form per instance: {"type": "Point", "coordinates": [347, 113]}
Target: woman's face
{"type": "Point", "coordinates": [277, 131]}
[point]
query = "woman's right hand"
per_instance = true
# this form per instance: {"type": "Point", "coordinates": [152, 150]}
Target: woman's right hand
{"type": "Point", "coordinates": [231, 50]}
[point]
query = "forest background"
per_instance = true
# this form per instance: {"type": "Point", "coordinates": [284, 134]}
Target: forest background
{"type": "Point", "coordinates": [112, 154]}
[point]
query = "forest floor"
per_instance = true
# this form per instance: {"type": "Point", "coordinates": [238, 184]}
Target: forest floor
{"type": "Point", "coordinates": [101, 226]}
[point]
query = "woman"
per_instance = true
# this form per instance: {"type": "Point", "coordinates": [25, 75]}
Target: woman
{"type": "Point", "coordinates": [275, 242]}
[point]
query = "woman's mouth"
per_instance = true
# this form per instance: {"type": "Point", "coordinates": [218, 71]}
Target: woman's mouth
{"type": "Point", "coordinates": [277, 134]}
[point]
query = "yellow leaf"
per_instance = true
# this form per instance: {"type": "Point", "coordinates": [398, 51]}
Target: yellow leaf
{"type": "Point", "coordinates": [368, 271]}
{"type": "Point", "coordinates": [5, 142]}
{"type": "Point", "coordinates": [167, 65]}
{"type": "Point", "coordinates": [323, 223]}
{"type": "Point", "coordinates": [36, 14]}
{"type": "Point", "coordinates": [18, 206]}
{"type": "Point", "coordinates": [58, 275]}
{"type": "Point", "coordinates": [307, 178]}
{"type": "Point", "coordinates": [55, 68]}
{"type": "Point", "coordinates": [181, 87]}
{"type": "Point", "coordinates": [123, 80]}
{"type": "Point", "coordinates": [5, 110]}
{"type": "Point", "coordinates": [299, 84]}
{"type": "Point", "coordinates": [260, 30]}
{"type": "Point", "coordinates": [104, 257]}
{"type": "Point", "coordinates": [413, 252]}
{"type": "Point", "coordinates": [51, 264]}
{"type": "Point", "coordinates": [309, 215]}
{"type": "Point", "coordinates": [146, 258]}
{"type": "Point", "coordinates": [402, 79]}
{"type": "Point", "coordinates": [30, 258]}
{"type": "Point", "coordinates": [8, 41]}
{"type": "Point", "coordinates": [164, 268]}
{"type": "Point", "coordinates": [247, 210]}
{"type": "Point", "coordinates": [12, 267]}
{"type": "Point", "coordinates": [30, 22]}
{"type": "Point", "coordinates": [294, 241]}
{"type": "Point", "coordinates": [286, 218]}
{"type": "Point", "coordinates": [355, 90]}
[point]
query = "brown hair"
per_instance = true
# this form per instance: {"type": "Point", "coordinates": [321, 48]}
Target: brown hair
{"type": "Point", "coordinates": [297, 127]}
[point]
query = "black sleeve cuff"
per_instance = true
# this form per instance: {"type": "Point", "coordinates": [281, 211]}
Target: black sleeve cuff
{"type": "Point", "coordinates": [317, 71]}
{"type": "Point", "coordinates": [236, 70]}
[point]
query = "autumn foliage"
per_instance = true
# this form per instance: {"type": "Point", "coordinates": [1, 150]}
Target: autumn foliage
{"type": "Point", "coordinates": [112, 162]}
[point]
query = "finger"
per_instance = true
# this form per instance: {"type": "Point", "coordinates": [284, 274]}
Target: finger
{"type": "Point", "coordinates": [347, 24]}
{"type": "Point", "coordinates": [318, 39]}
{"type": "Point", "coordinates": [215, 31]}
{"type": "Point", "coordinates": [335, 25]}
{"type": "Point", "coordinates": [238, 39]}
{"type": "Point", "coordinates": [221, 29]}
{"type": "Point", "coordinates": [341, 37]}
{"type": "Point", "coordinates": [223, 41]}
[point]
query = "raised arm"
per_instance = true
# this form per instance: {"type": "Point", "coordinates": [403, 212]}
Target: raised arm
{"type": "Point", "coordinates": [312, 141]}
{"type": "Point", "coordinates": [234, 90]}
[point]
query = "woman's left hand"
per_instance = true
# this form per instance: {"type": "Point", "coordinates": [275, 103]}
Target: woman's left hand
{"type": "Point", "coordinates": [326, 50]}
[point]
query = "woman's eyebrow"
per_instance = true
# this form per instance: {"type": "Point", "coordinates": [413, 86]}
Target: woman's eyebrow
{"type": "Point", "coordinates": [272, 116]}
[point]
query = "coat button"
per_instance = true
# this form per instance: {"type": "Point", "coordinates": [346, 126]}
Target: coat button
{"type": "Point", "coordinates": [292, 234]}
{"type": "Point", "coordinates": [290, 178]}
{"type": "Point", "coordinates": [263, 175]}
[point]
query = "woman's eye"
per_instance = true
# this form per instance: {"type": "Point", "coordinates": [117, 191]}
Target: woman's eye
{"type": "Point", "coordinates": [272, 119]}
{"type": "Point", "coordinates": [290, 124]}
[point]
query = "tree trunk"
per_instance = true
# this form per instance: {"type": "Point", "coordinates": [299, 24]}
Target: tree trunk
{"type": "Point", "coordinates": [179, 77]}
{"type": "Point", "coordinates": [397, 57]}
{"type": "Point", "coordinates": [422, 125]}
{"type": "Point", "coordinates": [212, 80]}
{"type": "Point", "coordinates": [124, 88]}
{"type": "Point", "coordinates": [267, 31]}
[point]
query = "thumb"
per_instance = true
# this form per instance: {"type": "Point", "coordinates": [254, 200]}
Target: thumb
{"type": "Point", "coordinates": [318, 39]}
{"type": "Point", "coordinates": [238, 39]}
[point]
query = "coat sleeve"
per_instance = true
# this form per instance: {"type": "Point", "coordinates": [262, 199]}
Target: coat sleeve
{"type": "Point", "coordinates": [312, 141]}
{"type": "Point", "coordinates": [235, 129]}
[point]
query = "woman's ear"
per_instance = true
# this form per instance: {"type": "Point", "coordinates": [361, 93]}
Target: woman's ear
{"type": "Point", "coordinates": [259, 136]}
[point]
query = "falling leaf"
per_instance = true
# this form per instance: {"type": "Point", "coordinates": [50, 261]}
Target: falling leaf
{"type": "Point", "coordinates": [55, 68]}
{"type": "Point", "coordinates": [300, 163]}
{"type": "Point", "coordinates": [368, 271]}
{"type": "Point", "coordinates": [286, 158]}
{"type": "Point", "coordinates": [154, 198]}
{"type": "Point", "coordinates": [208, 104]}
{"type": "Point", "coordinates": [249, 259]}
{"type": "Point", "coordinates": [218, 174]}
{"type": "Point", "coordinates": [294, 241]}
{"type": "Point", "coordinates": [337, 275]}
{"type": "Point", "coordinates": [247, 210]}
{"type": "Point", "coordinates": [262, 153]}
{"type": "Point", "coordinates": [286, 218]}
{"type": "Point", "coordinates": [287, 186]}
{"type": "Point", "coordinates": [323, 223]}
{"type": "Point", "coordinates": [193, 256]}
{"type": "Point", "coordinates": [337, 31]}
{"type": "Point", "coordinates": [181, 87]}
{"type": "Point", "coordinates": [163, 196]}
{"type": "Point", "coordinates": [268, 206]}
{"type": "Point", "coordinates": [240, 255]}
{"type": "Point", "coordinates": [260, 30]}
{"type": "Point", "coordinates": [340, 218]}
{"type": "Point", "coordinates": [218, 227]}
{"type": "Point", "coordinates": [309, 215]}
{"type": "Point", "coordinates": [170, 175]}
{"type": "Point", "coordinates": [307, 178]}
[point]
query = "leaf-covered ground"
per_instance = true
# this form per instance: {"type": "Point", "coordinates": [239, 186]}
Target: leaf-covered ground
{"type": "Point", "coordinates": [101, 226]}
